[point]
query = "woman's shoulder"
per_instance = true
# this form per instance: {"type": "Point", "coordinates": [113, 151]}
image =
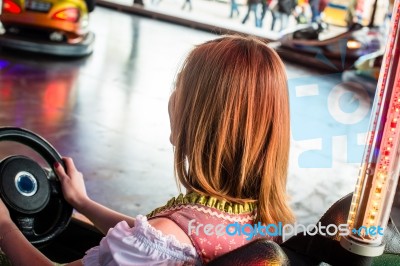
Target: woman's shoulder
{"type": "Point", "coordinates": [140, 245]}
{"type": "Point", "coordinates": [167, 231]}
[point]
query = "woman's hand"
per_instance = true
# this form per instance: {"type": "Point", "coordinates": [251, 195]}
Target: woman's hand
{"type": "Point", "coordinates": [72, 182]}
{"type": "Point", "coordinates": [74, 191]}
{"type": "Point", "coordinates": [4, 213]}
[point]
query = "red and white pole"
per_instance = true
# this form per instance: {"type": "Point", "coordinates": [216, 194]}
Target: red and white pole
{"type": "Point", "coordinates": [379, 173]}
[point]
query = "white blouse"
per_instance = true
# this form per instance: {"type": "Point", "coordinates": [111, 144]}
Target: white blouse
{"type": "Point", "coordinates": [140, 245]}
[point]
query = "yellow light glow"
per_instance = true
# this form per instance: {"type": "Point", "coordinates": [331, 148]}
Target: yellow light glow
{"type": "Point", "coordinates": [353, 44]}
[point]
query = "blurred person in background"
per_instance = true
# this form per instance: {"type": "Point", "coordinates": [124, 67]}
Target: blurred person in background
{"type": "Point", "coordinates": [281, 9]}
{"type": "Point", "coordinates": [264, 9]}
{"type": "Point", "coordinates": [234, 8]}
{"type": "Point", "coordinates": [315, 11]}
{"type": "Point", "coordinates": [253, 5]}
{"type": "Point", "coordinates": [189, 3]}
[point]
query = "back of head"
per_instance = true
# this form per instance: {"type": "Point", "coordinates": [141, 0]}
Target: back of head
{"type": "Point", "coordinates": [232, 125]}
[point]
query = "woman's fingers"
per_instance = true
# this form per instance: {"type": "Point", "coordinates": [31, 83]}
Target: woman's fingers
{"type": "Point", "coordinates": [60, 171]}
{"type": "Point", "coordinates": [3, 210]}
{"type": "Point", "coordinates": [69, 171]}
{"type": "Point", "coordinates": [69, 165]}
{"type": "Point", "coordinates": [72, 182]}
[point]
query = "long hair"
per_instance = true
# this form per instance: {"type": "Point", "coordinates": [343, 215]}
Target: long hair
{"type": "Point", "coordinates": [232, 127]}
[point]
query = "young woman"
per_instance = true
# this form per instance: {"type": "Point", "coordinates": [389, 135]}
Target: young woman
{"type": "Point", "coordinates": [229, 118]}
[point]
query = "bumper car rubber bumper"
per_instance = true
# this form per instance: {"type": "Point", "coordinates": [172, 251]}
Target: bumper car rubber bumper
{"type": "Point", "coordinates": [46, 47]}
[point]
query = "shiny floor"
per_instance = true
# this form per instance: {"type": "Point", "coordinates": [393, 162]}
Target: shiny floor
{"type": "Point", "coordinates": [109, 112]}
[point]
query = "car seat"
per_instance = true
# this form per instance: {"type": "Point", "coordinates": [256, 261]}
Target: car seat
{"type": "Point", "coordinates": [313, 250]}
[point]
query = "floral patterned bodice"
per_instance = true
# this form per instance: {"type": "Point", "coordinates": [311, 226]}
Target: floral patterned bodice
{"type": "Point", "coordinates": [214, 226]}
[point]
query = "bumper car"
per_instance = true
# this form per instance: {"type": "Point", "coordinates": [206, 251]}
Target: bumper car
{"type": "Point", "coordinates": [330, 49]}
{"type": "Point", "coordinates": [58, 27]}
{"type": "Point", "coordinates": [366, 72]}
{"type": "Point", "coordinates": [338, 53]}
{"type": "Point", "coordinates": [49, 223]}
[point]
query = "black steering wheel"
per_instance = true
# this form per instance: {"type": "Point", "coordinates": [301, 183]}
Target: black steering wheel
{"type": "Point", "coordinates": [32, 193]}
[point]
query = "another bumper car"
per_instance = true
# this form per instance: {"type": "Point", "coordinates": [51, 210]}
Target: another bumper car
{"type": "Point", "coordinates": [339, 52]}
{"type": "Point", "coordinates": [366, 72]}
{"type": "Point", "coordinates": [58, 27]}
{"type": "Point", "coordinates": [338, 49]}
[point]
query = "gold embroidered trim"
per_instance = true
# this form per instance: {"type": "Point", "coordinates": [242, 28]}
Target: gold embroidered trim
{"type": "Point", "coordinates": [208, 201]}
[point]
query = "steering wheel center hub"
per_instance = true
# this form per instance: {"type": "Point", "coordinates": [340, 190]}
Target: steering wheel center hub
{"type": "Point", "coordinates": [26, 183]}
